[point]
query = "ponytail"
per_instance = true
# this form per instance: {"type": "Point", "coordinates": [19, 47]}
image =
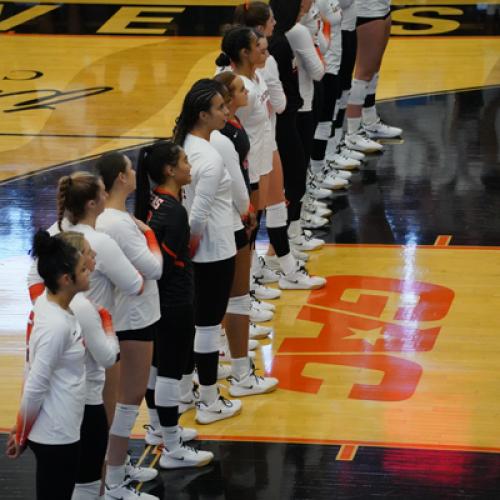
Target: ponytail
{"type": "Point", "coordinates": [252, 14]}
{"type": "Point", "coordinates": [64, 184]}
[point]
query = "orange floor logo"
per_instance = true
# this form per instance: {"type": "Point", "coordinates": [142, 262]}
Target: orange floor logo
{"type": "Point", "coordinates": [339, 344]}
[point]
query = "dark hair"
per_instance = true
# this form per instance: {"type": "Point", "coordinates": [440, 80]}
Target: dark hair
{"type": "Point", "coordinates": [109, 166]}
{"type": "Point", "coordinates": [151, 165]}
{"type": "Point", "coordinates": [55, 258]}
{"type": "Point", "coordinates": [235, 39]}
{"type": "Point", "coordinates": [198, 99]}
{"type": "Point", "coordinates": [73, 193]}
{"type": "Point", "coordinates": [226, 78]}
{"type": "Point", "coordinates": [252, 14]}
{"type": "Point", "coordinates": [222, 88]}
{"type": "Point", "coordinates": [286, 13]}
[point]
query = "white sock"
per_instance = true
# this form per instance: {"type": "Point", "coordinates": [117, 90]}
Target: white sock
{"type": "Point", "coordinates": [317, 166]}
{"type": "Point", "coordinates": [186, 384]}
{"type": "Point", "coordinates": [86, 491]}
{"type": "Point", "coordinates": [353, 125]}
{"type": "Point", "coordinates": [288, 264]}
{"type": "Point", "coordinates": [171, 437]}
{"type": "Point", "coordinates": [154, 419]}
{"type": "Point", "coordinates": [331, 148]}
{"type": "Point", "coordinates": [370, 115]}
{"type": "Point", "coordinates": [208, 393]}
{"type": "Point", "coordinates": [240, 367]}
{"type": "Point", "coordinates": [294, 229]}
{"type": "Point", "coordinates": [115, 474]}
{"type": "Point", "coordinates": [255, 262]}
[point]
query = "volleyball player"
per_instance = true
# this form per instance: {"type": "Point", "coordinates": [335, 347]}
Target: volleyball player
{"type": "Point", "coordinates": [233, 145]}
{"type": "Point", "coordinates": [167, 166]}
{"type": "Point", "coordinates": [209, 204]}
{"type": "Point", "coordinates": [53, 399]}
{"type": "Point", "coordinates": [136, 316]}
{"type": "Point", "coordinates": [363, 123]}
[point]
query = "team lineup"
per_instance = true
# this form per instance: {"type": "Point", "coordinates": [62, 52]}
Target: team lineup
{"type": "Point", "coordinates": [163, 304]}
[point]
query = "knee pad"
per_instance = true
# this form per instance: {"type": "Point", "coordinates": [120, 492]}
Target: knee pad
{"type": "Point", "coordinates": [207, 339]}
{"type": "Point", "coordinates": [323, 131]}
{"type": "Point", "coordinates": [167, 392]}
{"type": "Point", "coordinates": [153, 372]}
{"type": "Point", "coordinates": [239, 305]}
{"type": "Point", "coordinates": [372, 84]}
{"type": "Point", "coordinates": [124, 420]}
{"type": "Point", "coordinates": [358, 93]}
{"type": "Point", "coordinates": [276, 215]}
{"type": "Point", "coordinates": [86, 491]}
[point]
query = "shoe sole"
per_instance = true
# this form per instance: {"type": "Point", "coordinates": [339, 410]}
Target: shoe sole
{"type": "Point", "coordinates": [315, 287]}
{"type": "Point", "coordinates": [236, 413]}
{"type": "Point", "coordinates": [153, 442]}
{"type": "Point", "coordinates": [268, 391]}
{"type": "Point", "coordinates": [260, 336]}
{"type": "Point", "coordinates": [274, 297]}
{"type": "Point", "coordinates": [253, 320]}
{"type": "Point", "coordinates": [183, 465]}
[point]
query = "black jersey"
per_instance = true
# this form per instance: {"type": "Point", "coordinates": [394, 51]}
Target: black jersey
{"type": "Point", "coordinates": [236, 133]}
{"type": "Point", "coordinates": [169, 220]}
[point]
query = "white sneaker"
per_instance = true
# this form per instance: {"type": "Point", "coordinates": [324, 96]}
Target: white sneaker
{"type": "Point", "coordinates": [297, 254]}
{"type": "Point", "coordinates": [259, 332]}
{"type": "Point", "coordinates": [252, 384]}
{"type": "Point", "coordinates": [344, 162]}
{"type": "Point", "coordinates": [220, 409]}
{"type": "Point", "coordinates": [225, 353]}
{"type": "Point", "coordinates": [188, 401]}
{"type": "Point", "coordinates": [223, 371]}
{"type": "Point", "coordinates": [333, 181]}
{"type": "Point", "coordinates": [258, 315]}
{"type": "Point", "coordinates": [311, 206]}
{"type": "Point", "coordinates": [359, 141]}
{"type": "Point", "coordinates": [184, 456]}
{"type": "Point", "coordinates": [263, 292]}
{"type": "Point", "coordinates": [262, 305]}
{"type": "Point", "coordinates": [253, 345]}
{"type": "Point", "coordinates": [141, 474]}
{"type": "Point", "coordinates": [307, 243]}
{"type": "Point", "coordinates": [350, 153]}
{"type": "Point", "coordinates": [154, 436]}
{"type": "Point", "coordinates": [125, 492]}
{"type": "Point", "coordinates": [271, 262]}
{"type": "Point", "coordinates": [317, 192]}
{"type": "Point", "coordinates": [264, 274]}
{"type": "Point", "coordinates": [300, 280]}
{"type": "Point", "coordinates": [381, 130]}
{"type": "Point", "coordinates": [310, 221]}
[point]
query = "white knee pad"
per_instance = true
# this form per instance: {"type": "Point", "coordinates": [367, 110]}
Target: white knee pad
{"type": "Point", "coordinates": [372, 84]}
{"type": "Point", "coordinates": [124, 420]}
{"type": "Point", "coordinates": [276, 215]}
{"type": "Point", "coordinates": [86, 491]}
{"type": "Point", "coordinates": [153, 372]}
{"type": "Point", "coordinates": [239, 305]}
{"type": "Point", "coordinates": [207, 339]}
{"type": "Point", "coordinates": [167, 392]}
{"type": "Point", "coordinates": [323, 131]}
{"type": "Point", "coordinates": [359, 90]}
{"type": "Point", "coordinates": [344, 98]}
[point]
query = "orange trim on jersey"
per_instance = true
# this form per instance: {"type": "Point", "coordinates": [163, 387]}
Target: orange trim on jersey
{"type": "Point", "coordinates": [106, 320]}
{"type": "Point", "coordinates": [152, 242]}
{"type": "Point", "coordinates": [36, 290]}
{"type": "Point", "coordinates": [170, 252]}
{"type": "Point", "coordinates": [160, 190]}
{"type": "Point", "coordinates": [179, 263]}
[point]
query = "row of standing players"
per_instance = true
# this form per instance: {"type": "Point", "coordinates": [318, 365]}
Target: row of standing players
{"type": "Point", "coordinates": [264, 128]}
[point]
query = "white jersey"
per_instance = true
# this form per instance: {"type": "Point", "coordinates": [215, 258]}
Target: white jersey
{"type": "Point", "coordinates": [309, 64]}
{"type": "Point", "coordinates": [332, 53]}
{"type": "Point", "coordinates": [277, 97]}
{"type": "Point", "coordinates": [348, 15]}
{"type": "Point", "coordinates": [113, 269]}
{"type": "Point", "coordinates": [133, 312]}
{"type": "Point", "coordinates": [239, 191]}
{"type": "Point", "coordinates": [209, 201]}
{"type": "Point", "coordinates": [256, 119]}
{"type": "Point", "coordinates": [373, 8]}
{"type": "Point", "coordinates": [101, 343]}
{"type": "Point", "coordinates": [54, 390]}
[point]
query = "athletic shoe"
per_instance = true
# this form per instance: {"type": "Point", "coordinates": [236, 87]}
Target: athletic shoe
{"type": "Point", "coordinates": [309, 221]}
{"type": "Point", "coordinates": [332, 169]}
{"type": "Point", "coordinates": [220, 409]}
{"type": "Point", "coordinates": [262, 305]}
{"type": "Point", "coordinates": [316, 207]}
{"type": "Point", "coordinates": [154, 436]}
{"type": "Point", "coordinates": [301, 280]}
{"type": "Point", "coordinates": [259, 332]}
{"type": "Point", "coordinates": [317, 192]}
{"type": "Point", "coordinates": [253, 345]}
{"type": "Point", "coordinates": [344, 162]}
{"type": "Point", "coordinates": [251, 384]}
{"type": "Point", "coordinates": [350, 153]}
{"type": "Point", "coordinates": [263, 292]}
{"type": "Point", "coordinates": [225, 353]}
{"type": "Point", "coordinates": [125, 492]}
{"type": "Point", "coordinates": [188, 401]}
{"type": "Point", "coordinates": [223, 371]}
{"type": "Point", "coordinates": [307, 243]}
{"type": "Point", "coordinates": [359, 141]}
{"type": "Point", "coordinates": [184, 456]}
{"type": "Point", "coordinates": [141, 474]}
{"type": "Point", "coordinates": [380, 130]}
{"type": "Point", "coordinates": [264, 274]}
{"type": "Point", "coordinates": [297, 254]}
{"type": "Point", "coordinates": [260, 315]}
{"type": "Point", "coordinates": [333, 181]}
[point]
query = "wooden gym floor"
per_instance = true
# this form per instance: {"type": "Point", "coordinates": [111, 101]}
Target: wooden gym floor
{"type": "Point", "coordinates": [389, 377]}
